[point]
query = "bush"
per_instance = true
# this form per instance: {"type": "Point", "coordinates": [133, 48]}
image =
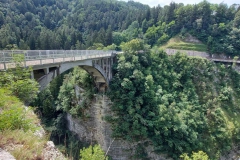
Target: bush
{"type": "Point", "coordinates": [92, 153]}
{"type": "Point", "coordinates": [12, 113]}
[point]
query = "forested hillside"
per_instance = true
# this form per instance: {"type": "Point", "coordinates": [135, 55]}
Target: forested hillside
{"type": "Point", "coordinates": [182, 104]}
{"type": "Point", "coordinates": [63, 24]}
{"type": "Point", "coordinates": [80, 24]}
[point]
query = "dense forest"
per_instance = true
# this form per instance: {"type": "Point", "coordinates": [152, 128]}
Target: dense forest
{"type": "Point", "coordinates": [90, 24]}
{"type": "Point", "coordinates": [179, 104]}
{"type": "Point", "coordinates": [182, 104]}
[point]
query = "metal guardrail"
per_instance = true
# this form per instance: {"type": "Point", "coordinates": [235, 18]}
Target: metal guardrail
{"type": "Point", "coordinates": [40, 57]}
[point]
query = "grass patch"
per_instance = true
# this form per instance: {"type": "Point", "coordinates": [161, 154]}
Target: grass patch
{"type": "Point", "coordinates": [17, 126]}
{"type": "Point", "coordinates": [22, 145]}
{"type": "Point", "coordinates": [177, 43]}
{"type": "Point", "coordinates": [14, 115]}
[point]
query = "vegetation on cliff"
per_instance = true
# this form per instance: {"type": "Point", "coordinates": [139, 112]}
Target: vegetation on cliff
{"type": "Point", "coordinates": [70, 92]}
{"type": "Point", "coordinates": [70, 97]}
{"type": "Point", "coordinates": [17, 122]}
{"type": "Point", "coordinates": [93, 153]}
{"type": "Point", "coordinates": [182, 104]}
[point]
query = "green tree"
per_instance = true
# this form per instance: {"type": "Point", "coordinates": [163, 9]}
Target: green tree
{"type": "Point", "coordinates": [93, 153]}
{"type": "Point", "coordinates": [67, 100]}
{"type": "Point", "coordinates": [18, 80]}
{"type": "Point", "coordinates": [133, 46]}
{"type": "Point", "coordinates": [1, 18]}
{"type": "Point", "coordinates": [195, 156]}
{"type": "Point", "coordinates": [237, 20]}
{"type": "Point", "coordinates": [118, 38]}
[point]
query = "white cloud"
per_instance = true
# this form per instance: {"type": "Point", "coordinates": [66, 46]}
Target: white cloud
{"type": "Point", "coordinates": [167, 2]}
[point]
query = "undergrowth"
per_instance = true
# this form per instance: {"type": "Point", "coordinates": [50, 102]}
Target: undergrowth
{"type": "Point", "coordinates": [17, 127]}
{"type": "Point", "coordinates": [22, 145]}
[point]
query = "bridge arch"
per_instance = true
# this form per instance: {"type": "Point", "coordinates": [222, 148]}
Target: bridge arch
{"type": "Point", "coordinates": [100, 74]}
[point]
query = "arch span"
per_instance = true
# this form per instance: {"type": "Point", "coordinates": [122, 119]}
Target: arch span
{"type": "Point", "coordinates": [100, 74]}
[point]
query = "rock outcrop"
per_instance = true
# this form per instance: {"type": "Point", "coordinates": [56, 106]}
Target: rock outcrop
{"type": "Point", "coordinates": [50, 152]}
{"type": "Point", "coordinates": [5, 155]}
{"type": "Point", "coordinates": [94, 129]}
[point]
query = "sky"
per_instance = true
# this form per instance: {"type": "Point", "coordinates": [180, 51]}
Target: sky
{"type": "Point", "coordinates": [167, 2]}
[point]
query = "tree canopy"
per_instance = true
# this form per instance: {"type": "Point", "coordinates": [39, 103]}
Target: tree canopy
{"type": "Point", "coordinates": [79, 24]}
{"type": "Point", "coordinates": [176, 102]}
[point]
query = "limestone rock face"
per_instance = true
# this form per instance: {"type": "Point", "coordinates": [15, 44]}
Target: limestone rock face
{"type": "Point", "coordinates": [191, 39]}
{"type": "Point", "coordinates": [234, 154]}
{"type": "Point", "coordinates": [5, 155]}
{"type": "Point", "coordinates": [96, 129]}
{"type": "Point", "coordinates": [50, 152]}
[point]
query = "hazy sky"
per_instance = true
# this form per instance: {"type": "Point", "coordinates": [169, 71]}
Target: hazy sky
{"type": "Point", "coordinates": [167, 2]}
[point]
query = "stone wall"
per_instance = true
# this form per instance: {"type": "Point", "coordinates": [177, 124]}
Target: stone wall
{"type": "Point", "coordinates": [96, 129]}
{"type": "Point", "coordinates": [219, 57]}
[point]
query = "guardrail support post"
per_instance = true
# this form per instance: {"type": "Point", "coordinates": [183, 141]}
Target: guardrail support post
{"type": "Point", "coordinates": [53, 56]}
{"type": "Point", "coordinates": [64, 54]}
{"type": "Point", "coordinates": [4, 61]}
{"type": "Point", "coordinates": [40, 57]}
{"type": "Point", "coordinates": [25, 63]}
{"type": "Point", "coordinates": [73, 55]}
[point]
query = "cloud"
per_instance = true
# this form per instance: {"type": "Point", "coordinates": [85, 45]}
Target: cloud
{"type": "Point", "coordinates": [167, 2]}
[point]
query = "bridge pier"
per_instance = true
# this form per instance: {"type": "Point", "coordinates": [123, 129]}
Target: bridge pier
{"type": "Point", "coordinates": [106, 65]}
{"type": "Point", "coordinates": [32, 75]}
{"type": "Point", "coordinates": [46, 70]}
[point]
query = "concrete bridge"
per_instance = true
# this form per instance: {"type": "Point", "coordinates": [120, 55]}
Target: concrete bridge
{"type": "Point", "coordinates": [47, 64]}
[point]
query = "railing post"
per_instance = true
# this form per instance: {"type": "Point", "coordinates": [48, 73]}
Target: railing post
{"type": "Point", "coordinates": [73, 52]}
{"type": "Point", "coordinates": [64, 56]}
{"type": "Point", "coordinates": [25, 52]}
{"type": "Point", "coordinates": [4, 61]}
{"type": "Point", "coordinates": [53, 56]}
{"type": "Point", "coordinates": [40, 57]}
{"type": "Point", "coordinates": [78, 54]}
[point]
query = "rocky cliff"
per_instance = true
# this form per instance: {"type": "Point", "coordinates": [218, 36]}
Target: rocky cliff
{"type": "Point", "coordinates": [95, 129]}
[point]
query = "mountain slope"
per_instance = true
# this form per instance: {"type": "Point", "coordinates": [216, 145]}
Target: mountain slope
{"type": "Point", "coordinates": [60, 24]}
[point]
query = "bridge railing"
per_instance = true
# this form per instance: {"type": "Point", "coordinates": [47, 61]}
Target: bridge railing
{"type": "Point", "coordinates": [39, 57]}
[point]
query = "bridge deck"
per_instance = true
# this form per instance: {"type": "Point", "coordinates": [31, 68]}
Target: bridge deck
{"type": "Point", "coordinates": [43, 57]}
